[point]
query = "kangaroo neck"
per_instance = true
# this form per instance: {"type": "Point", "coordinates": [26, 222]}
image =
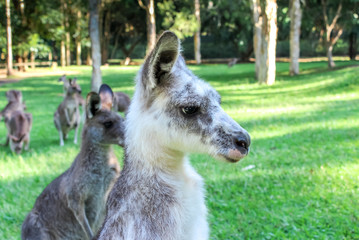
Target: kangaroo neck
{"type": "Point", "coordinates": [154, 157]}
{"type": "Point", "coordinates": [95, 152]}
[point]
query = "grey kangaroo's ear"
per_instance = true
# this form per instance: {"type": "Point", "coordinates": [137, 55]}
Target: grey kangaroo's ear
{"type": "Point", "coordinates": [18, 96]}
{"type": "Point", "coordinates": [93, 104]}
{"type": "Point", "coordinates": [161, 60]}
{"type": "Point", "coordinates": [106, 96]}
{"type": "Point", "coordinates": [62, 78]}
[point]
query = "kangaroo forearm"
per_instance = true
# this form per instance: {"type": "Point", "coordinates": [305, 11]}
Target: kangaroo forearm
{"type": "Point", "coordinates": [67, 117]}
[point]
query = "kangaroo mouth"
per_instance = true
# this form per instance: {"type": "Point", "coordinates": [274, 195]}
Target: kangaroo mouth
{"type": "Point", "coordinates": [235, 155]}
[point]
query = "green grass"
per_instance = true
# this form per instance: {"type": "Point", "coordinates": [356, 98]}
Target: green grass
{"type": "Point", "coordinates": [305, 149]}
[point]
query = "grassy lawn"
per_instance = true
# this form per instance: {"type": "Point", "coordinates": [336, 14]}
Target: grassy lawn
{"type": "Point", "coordinates": [304, 181]}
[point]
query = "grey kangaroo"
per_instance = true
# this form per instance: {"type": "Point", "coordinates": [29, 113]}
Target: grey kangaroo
{"type": "Point", "coordinates": [121, 102]}
{"type": "Point", "coordinates": [15, 103]}
{"type": "Point", "coordinates": [73, 205]}
{"type": "Point", "coordinates": [19, 126]}
{"type": "Point", "coordinates": [67, 84]}
{"type": "Point", "coordinates": [67, 115]}
{"type": "Point", "coordinates": [158, 194]}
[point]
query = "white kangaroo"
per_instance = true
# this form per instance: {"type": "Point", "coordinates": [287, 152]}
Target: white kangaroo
{"type": "Point", "coordinates": [158, 194]}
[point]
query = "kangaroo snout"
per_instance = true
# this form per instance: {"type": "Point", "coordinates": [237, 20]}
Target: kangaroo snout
{"type": "Point", "coordinates": [242, 141]}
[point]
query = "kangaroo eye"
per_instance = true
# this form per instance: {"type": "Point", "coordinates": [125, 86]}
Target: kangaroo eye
{"type": "Point", "coordinates": [108, 124]}
{"type": "Point", "coordinates": [190, 110]}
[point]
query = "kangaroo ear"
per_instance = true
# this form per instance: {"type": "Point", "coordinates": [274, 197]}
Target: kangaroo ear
{"type": "Point", "coordinates": [161, 60]}
{"type": "Point", "coordinates": [18, 96]}
{"type": "Point", "coordinates": [93, 104]}
{"type": "Point", "coordinates": [62, 78]}
{"type": "Point", "coordinates": [106, 96]}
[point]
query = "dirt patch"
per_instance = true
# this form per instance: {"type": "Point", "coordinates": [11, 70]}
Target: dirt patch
{"type": "Point", "coordinates": [40, 72]}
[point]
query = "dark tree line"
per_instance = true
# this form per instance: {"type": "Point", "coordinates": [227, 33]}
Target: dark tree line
{"type": "Point", "coordinates": [59, 30]}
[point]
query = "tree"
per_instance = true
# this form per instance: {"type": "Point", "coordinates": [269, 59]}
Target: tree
{"type": "Point", "coordinates": [333, 30]}
{"type": "Point", "coordinates": [265, 39]}
{"type": "Point", "coordinates": [228, 24]}
{"type": "Point", "coordinates": [352, 45]}
{"type": "Point", "coordinates": [96, 79]}
{"type": "Point", "coordinates": [126, 30]}
{"type": "Point", "coordinates": [197, 35]}
{"type": "Point", "coordinates": [150, 22]}
{"type": "Point", "coordinates": [8, 39]}
{"type": "Point", "coordinates": [67, 30]}
{"type": "Point", "coordinates": [78, 37]}
{"type": "Point", "coordinates": [295, 22]}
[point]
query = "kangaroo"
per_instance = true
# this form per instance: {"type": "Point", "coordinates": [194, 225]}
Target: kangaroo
{"type": "Point", "coordinates": [67, 115]}
{"type": "Point", "coordinates": [121, 102]}
{"type": "Point", "coordinates": [14, 103]}
{"type": "Point", "coordinates": [158, 194]}
{"type": "Point", "coordinates": [67, 85]}
{"type": "Point", "coordinates": [73, 205]}
{"type": "Point", "coordinates": [19, 126]}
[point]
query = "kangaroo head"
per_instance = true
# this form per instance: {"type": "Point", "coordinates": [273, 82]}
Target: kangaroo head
{"type": "Point", "coordinates": [16, 143]}
{"type": "Point", "coordinates": [102, 125]}
{"type": "Point", "coordinates": [181, 111]}
{"type": "Point", "coordinates": [72, 87]}
{"type": "Point", "coordinates": [14, 96]}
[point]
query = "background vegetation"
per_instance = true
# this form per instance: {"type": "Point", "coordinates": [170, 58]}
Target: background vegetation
{"type": "Point", "coordinates": [226, 27]}
{"type": "Point", "coordinates": [300, 180]}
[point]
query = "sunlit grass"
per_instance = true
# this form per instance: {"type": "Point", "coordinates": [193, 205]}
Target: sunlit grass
{"type": "Point", "coordinates": [304, 180]}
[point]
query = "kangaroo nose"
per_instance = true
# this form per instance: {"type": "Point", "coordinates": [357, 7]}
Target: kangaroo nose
{"type": "Point", "coordinates": [242, 141]}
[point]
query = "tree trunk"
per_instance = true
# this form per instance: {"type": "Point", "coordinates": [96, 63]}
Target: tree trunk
{"type": "Point", "coordinates": [19, 60]}
{"type": "Point", "coordinates": [331, 63]}
{"type": "Point", "coordinates": [9, 57]}
{"type": "Point", "coordinates": [257, 33]}
{"type": "Point", "coordinates": [63, 54]}
{"type": "Point", "coordinates": [295, 23]}
{"type": "Point", "coordinates": [128, 52]}
{"type": "Point", "coordinates": [88, 58]}
{"type": "Point", "coordinates": [32, 60]}
{"type": "Point", "coordinates": [78, 53]}
{"type": "Point", "coordinates": [67, 30]}
{"type": "Point", "coordinates": [105, 37]}
{"type": "Point", "coordinates": [78, 39]}
{"type": "Point", "coordinates": [25, 56]}
{"type": "Point", "coordinates": [352, 45]}
{"type": "Point", "coordinates": [95, 45]}
{"type": "Point", "coordinates": [265, 40]}
{"type": "Point", "coordinates": [270, 42]}
{"type": "Point", "coordinates": [333, 31]}
{"type": "Point", "coordinates": [197, 35]}
{"type": "Point", "coordinates": [151, 23]}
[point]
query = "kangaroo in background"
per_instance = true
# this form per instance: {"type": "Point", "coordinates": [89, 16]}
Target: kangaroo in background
{"type": "Point", "coordinates": [121, 102]}
{"type": "Point", "coordinates": [158, 194]}
{"type": "Point", "coordinates": [67, 85]}
{"type": "Point", "coordinates": [19, 126]}
{"type": "Point", "coordinates": [15, 103]}
{"type": "Point", "coordinates": [73, 205]}
{"type": "Point", "coordinates": [67, 115]}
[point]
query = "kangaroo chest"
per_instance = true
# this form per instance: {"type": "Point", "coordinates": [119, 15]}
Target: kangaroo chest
{"type": "Point", "coordinates": [71, 108]}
